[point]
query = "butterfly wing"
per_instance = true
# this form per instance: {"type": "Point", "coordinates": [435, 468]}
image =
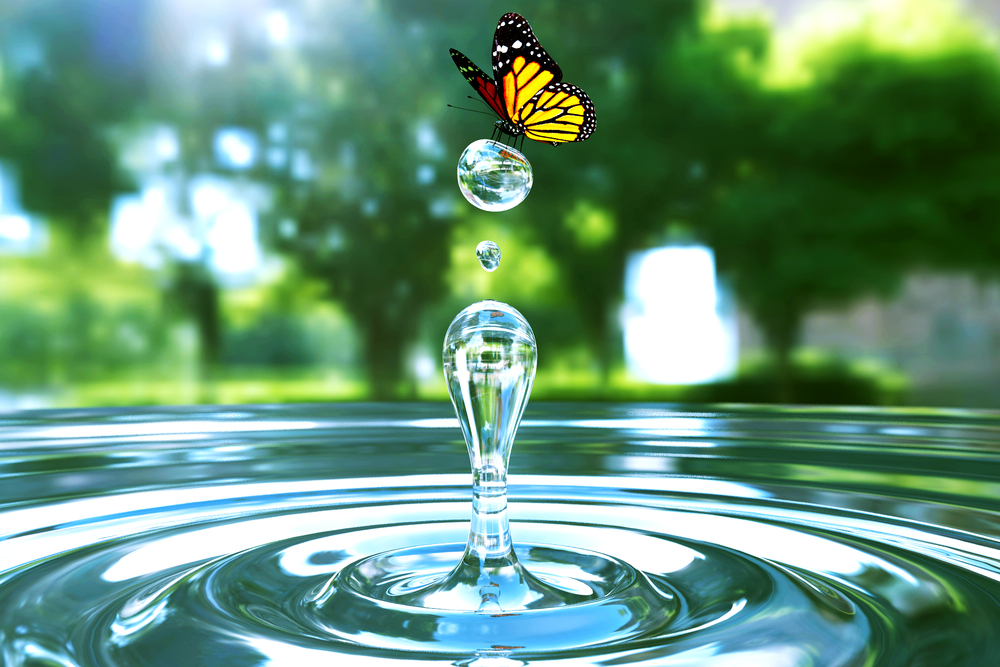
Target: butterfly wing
{"type": "Point", "coordinates": [521, 67]}
{"type": "Point", "coordinates": [481, 81]}
{"type": "Point", "coordinates": [558, 113]}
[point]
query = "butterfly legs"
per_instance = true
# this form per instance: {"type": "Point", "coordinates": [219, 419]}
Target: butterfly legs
{"type": "Point", "coordinates": [496, 137]}
{"type": "Point", "coordinates": [509, 140]}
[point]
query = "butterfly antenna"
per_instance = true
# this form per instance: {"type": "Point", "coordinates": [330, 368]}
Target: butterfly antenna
{"type": "Point", "coordinates": [481, 101]}
{"type": "Point", "coordinates": [472, 110]}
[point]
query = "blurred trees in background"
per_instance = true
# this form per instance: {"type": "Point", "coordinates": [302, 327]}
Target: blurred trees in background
{"type": "Point", "coordinates": [71, 70]}
{"type": "Point", "coordinates": [844, 182]}
{"type": "Point", "coordinates": [820, 167]}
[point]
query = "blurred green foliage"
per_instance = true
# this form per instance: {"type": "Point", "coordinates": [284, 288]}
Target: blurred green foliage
{"type": "Point", "coordinates": [820, 164]}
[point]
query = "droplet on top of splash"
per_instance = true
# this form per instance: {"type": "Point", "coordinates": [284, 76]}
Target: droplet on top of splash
{"type": "Point", "coordinates": [488, 253]}
{"type": "Point", "coordinates": [492, 176]}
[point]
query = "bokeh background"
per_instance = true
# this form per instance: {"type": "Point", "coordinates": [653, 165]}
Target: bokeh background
{"type": "Point", "coordinates": [255, 201]}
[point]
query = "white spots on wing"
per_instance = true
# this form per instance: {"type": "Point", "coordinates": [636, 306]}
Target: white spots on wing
{"type": "Point", "coordinates": [517, 44]}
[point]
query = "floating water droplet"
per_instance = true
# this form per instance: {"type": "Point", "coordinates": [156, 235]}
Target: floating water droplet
{"type": "Point", "coordinates": [488, 253]}
{"type": "Point", "coordinates": [492, 176]}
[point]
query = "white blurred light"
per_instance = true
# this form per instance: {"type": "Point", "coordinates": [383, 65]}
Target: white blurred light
{"type": "Point", "coordinates": [228, 213]}
{"type": "Point", "coordinates": [302, 165]}
{"type": "Point", "coordinates": [235, 148]}
{"type": "Point", "coordinates": [277, 27]}
{"type": "Point", "coordinates": [167, 145]}
{"type": "Point", "coordinates": [132, 227]}
{"type": "Point", "coordinates": [209, 197]}
{"type": "Point", "coordinates": [674, 333]}
{"type": "Point", "coordinates": [149, 149]}
{"type": "Point", "coordinates": [15, 227]}
{"type": "Point", "coordinates": [154, 199]}
{"type": "Point", "coordinates": [233, 239]}
{"type": "Point", "coordinates": [182, 242]}
{"type": "Point", "coordinates": [427, 140]}
{"type": "Point", "coordinates": [424, 366]}
{"type": "Point", "coordinates": [217, 52]}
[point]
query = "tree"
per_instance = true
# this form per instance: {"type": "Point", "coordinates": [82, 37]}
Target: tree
{"type": "Point", "coordinates": [847, 183]}
{"type": "Point", "coordinates": [375, 224]}
{"type": "Point", "coordinates": [68, 83]}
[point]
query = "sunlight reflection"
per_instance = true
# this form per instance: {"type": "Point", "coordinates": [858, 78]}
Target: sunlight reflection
{"type": "Point", "coordinates": [281, 654]}
{"type": "Point", "coordinates": [205, 543]}
{"type": "Point", "coordinates": [133, 429]}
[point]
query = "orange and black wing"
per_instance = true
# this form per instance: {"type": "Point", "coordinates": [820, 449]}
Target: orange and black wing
{"type": "Point", "coordinates": [481, 81]}
{"type": "Point", "coordinates": [521, 66]}
{"type": "Point", "coordinates": [559, 113]}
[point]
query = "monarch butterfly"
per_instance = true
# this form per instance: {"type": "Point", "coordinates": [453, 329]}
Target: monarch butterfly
{"type": "Point", "coordinates": [528, 94]}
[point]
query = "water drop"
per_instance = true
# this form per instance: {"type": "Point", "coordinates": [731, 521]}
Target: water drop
{"type": "Point", "coordinates": [488, 253]}
{"type": "Point", "coordinates": [492, 176]}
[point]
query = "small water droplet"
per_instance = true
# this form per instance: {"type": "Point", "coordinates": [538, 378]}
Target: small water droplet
{"type": "Point", "coordinates": [492, 176]}
{"type": "Point", "coordinates": [488, 253]}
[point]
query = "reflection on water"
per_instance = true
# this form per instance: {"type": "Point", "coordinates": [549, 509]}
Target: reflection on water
{"type": "Point", "coordinates": [759, 536]}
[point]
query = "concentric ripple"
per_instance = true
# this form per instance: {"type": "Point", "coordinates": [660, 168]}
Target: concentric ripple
{"type": "Point", "coordinates": [849, 549]}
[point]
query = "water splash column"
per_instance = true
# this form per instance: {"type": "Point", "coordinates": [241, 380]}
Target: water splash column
{"type": "Point", "coordinates": [489, 364]}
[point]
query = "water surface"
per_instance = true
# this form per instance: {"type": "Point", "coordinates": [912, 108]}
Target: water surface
{"type": "Point", "coordinates": [205, 536]}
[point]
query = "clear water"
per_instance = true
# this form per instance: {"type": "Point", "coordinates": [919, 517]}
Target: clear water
{"type": "Point", "coordinates": [492, 176]}
{"type": "Point", "coordinates": [723, 536]}
{"type": "Point", "coordinates": [488, 254]}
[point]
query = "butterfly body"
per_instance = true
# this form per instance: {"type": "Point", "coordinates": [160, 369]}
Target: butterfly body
{"type": "Point", "coordinates": [526, 90]}
{"type": "Point", "coordinates": [507, 127]}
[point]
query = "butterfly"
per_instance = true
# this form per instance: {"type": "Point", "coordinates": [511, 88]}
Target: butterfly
{"type": "Point", "coordinates": [527, 91]}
